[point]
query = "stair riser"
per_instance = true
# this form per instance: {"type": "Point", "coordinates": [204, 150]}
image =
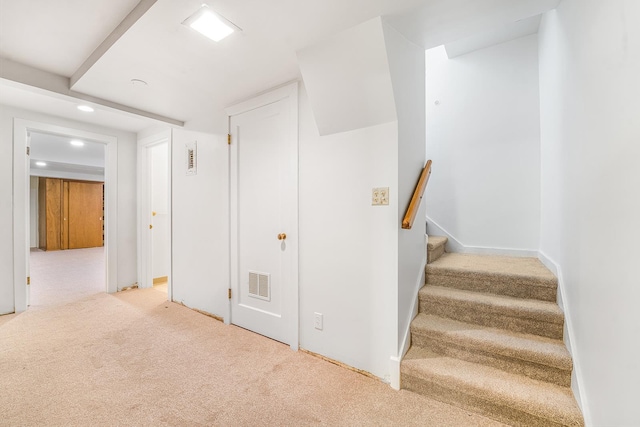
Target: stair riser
{"type": "Point", "coordinates": [435, 253]}
{"type": "Point", "coordinates": [469, 401]}
{"type": "Point", "coordinates": [523, 288]}
{"type": "Point", "coordinates": [473, 354]}
{"type": "Point", "coordinates": [494, 317]}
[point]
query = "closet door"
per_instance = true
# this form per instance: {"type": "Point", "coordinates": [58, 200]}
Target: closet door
{"type": "Point", "coordinates": [85, 215]}
{"type": "Point", "coordinates": [49, 213]}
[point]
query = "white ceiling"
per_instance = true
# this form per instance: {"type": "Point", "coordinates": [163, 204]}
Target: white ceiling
{"type": "Point", "coordinates": [57, 35]}
{"type": "Point", "coordinates": [61, 156]}
{"type": "Point", "coordinates": [192, 79]}
{"type": "Point", "coordinates": [40, 101]}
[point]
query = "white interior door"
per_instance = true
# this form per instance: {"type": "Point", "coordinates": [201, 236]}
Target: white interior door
{"type": "Point", "coordinates": [160, 233]}
{"type": "Point", "coordinates": [154, 214]}
{"type": "Point", "coordinates": [264, 219]}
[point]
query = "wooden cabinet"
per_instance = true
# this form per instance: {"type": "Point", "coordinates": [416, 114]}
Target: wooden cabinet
{"type": "Point", "coordinates": [50, 214]}
{"type": "Point", "coordinates": [70, 214]}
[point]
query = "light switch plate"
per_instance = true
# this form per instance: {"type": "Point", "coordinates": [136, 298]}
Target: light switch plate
{"type": "Point", "coordinates": [380, 196]}
{"type": "Point", "coordinates": [317, 321]}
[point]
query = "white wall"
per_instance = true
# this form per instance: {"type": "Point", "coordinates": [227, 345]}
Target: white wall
{"type": "Point", "coordinates": [126, 197]}
{"type": "Point", "coordinates": [33, 211]}
{"type": "Point", "coordinates": [160, 205]}
{"type": "Point", "coordinates": [347, 79]}
{"type": "Point", "coordinates": [590, 105]}
{"type": "Point", "coordinates": [200, 223]}
{"type": "Point", "coordinates": [407, 68]}
{"type": "Point", "coordinates": [348, 248]}
{"type": "Point", "coordinates": [484, 140]}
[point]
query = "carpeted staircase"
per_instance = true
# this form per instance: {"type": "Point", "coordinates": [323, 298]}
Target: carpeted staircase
{"type": "Point", "coordinates": [488, 338]}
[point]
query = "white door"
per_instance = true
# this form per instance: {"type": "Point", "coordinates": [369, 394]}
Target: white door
{"type": "Point", "coordinates": [264, 215]}
{"type": "Point", "coordinates": [154, 218]}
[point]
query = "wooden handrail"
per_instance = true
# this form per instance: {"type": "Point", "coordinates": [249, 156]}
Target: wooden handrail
{"type": "Point", "coordinates": [412, 210]}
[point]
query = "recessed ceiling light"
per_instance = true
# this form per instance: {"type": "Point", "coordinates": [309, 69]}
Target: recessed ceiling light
{"type": "Point", "coordinates": [85, 108]}
{"type": "Point", "coordinates": [77, 142]}
{"type": "Point", "coordinates": [41, 164]}
{"type": "Point", "coordinates": [210, 24]}
{"type": "Point", "coordinates": [138, 82]}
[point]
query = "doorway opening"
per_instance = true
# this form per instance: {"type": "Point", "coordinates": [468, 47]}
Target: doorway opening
{"type": "Point", "coordinates": [66, 218]}
{"type": "Point", "coordinates": [101, 192]}
{"type": "Point", "coordinates": [154, 214]}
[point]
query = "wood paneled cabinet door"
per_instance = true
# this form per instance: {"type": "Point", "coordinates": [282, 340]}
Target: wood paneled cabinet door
{"type": "Point", "coordinates": [76, 214]}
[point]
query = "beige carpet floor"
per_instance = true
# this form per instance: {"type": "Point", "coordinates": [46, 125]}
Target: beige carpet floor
{"type": "Point", "coordinates": [81, 357]}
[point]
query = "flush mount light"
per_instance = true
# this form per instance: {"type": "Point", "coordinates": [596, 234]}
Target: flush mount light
{"type": "Point", "coordinates": [85, 108]}
{"type": "Point", "coordinates": [41, 164]}
{"type": "Point", "coordinates": [76, 143]}
{"type": "Point", "coordinates": [210, 24]}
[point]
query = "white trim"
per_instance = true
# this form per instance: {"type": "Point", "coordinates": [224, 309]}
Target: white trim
{"type": "Point", "coordinates": [577, 383]}
{"type": "Point", "coordinates": [21, 200]}
{"type": "Point", "coordinates": [145, 276]}
{"type": "Point", "coordinates": [287, 91]}
{"type": "Point", "coordinates": [454, 245]}
{"type": "Point", "coordinates": [266, 98]}
{"type": "Point", "coordinates": [406, 340]}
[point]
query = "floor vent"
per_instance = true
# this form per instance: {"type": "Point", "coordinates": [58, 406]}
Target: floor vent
{"type": "Point", "coordinates": [260, 285]}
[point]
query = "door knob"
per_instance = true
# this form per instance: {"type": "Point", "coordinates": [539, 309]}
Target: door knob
{"type": "Point", "coordinates": [282, 236]}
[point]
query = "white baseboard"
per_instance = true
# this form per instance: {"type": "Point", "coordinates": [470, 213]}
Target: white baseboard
{"type": "Point", "coordinates": [568, 338]}
{"type": "Point", "coordinates": [454, 245]}
{"type": "Point", "coordinates": [394, 368]}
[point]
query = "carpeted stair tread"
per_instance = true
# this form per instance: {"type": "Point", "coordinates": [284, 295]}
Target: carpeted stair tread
{"type": "Point", "coordinates": [501, 395]}
{"type": "Point", "coordinates": [524, 308]}
{"type": "Point", "coordinates": [436, 241]}
{"type": "Point", "coordinates": [494, 266]}
{"type": "Point", "coordinates": [516, 277]}
{"type": "Point", "coordinates": [435, 248]}
{"type": "Point", "coordinates": [525, 347]}
{"type": "Point", "coordinates": [528, 316]}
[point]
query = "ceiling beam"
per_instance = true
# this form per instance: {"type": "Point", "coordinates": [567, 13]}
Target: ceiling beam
{"type": "Point", "coordinates": [57, 84]}
{"type": "Point", "coordinates": [124, 26]}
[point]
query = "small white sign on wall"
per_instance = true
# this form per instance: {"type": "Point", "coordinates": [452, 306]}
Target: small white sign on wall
{"type": "Point", "coordinates": [191, 151]}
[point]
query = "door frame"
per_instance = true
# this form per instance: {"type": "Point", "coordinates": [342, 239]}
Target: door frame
{"type": "Point", "coordinates": [21, 213]}
{"type": "Point", "coordinates": [287, 91]}
{"type": "Point", "coordinates": [145, 274]}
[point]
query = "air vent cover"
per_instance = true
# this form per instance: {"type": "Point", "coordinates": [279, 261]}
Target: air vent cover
{"type": "Point", "coordinates": [192, 158]}
{"type": "Point", "coordinates": [260, 285]}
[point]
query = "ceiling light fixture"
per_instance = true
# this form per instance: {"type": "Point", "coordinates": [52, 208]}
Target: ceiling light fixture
{"type": "Point", "coordinates": [138, 82]}
{"type": "Point", "coordinates": [210, 24]}
{"type": "Point", "coordinates": [76, 143]}
{"type": "Point", "coordinates": [85, 108]}
{"type": "Point", "coordinates": [41, 164]}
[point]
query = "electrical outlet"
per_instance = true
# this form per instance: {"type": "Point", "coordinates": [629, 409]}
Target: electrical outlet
{"type": "Point", "coordinates": [380, 196]}
{"type": "Point", "coordinates": [317, 321]}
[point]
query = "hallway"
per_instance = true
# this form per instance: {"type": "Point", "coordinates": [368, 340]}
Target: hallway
{"type": "Point", "coordinates": [59, 277]}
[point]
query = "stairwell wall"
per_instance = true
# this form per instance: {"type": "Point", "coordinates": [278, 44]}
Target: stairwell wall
{"type": "Point", "coordinates": [348, 248]}
{"type": "Point", "coordinates": [590, 104]}
{"type": "Point", "coordinates": [483, 135]}
{"type": "Point", "coordinates": [407, 68]}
